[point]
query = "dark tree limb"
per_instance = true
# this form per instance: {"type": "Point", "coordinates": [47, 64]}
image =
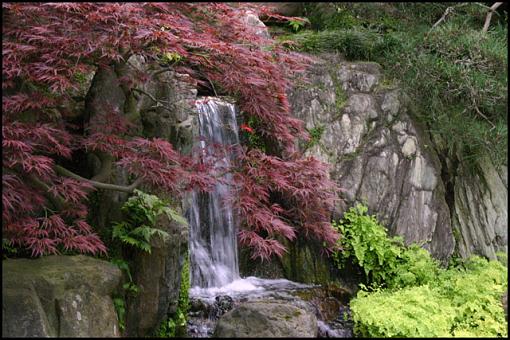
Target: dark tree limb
{"type": "Point", "coordinates": [98, 185]}
{"type": "Point", "coordinates": [160, 103]}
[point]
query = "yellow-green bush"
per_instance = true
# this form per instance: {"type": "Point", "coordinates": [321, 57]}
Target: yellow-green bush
{"type": "Point", "coordinates": [463, 302]}
{"type": "Point", "coordinates": [410, 294]}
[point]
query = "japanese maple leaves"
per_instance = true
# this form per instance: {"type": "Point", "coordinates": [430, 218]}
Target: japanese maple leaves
{"type": "Point", "coordinates": [47, 47]}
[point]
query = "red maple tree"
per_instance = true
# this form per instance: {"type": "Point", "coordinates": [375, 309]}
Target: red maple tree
{"type": "Point", "coordinates": [46, 45]}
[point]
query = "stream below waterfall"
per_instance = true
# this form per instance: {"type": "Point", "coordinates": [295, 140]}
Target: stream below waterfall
{"type": "Point", "coordinates": [216, 285]}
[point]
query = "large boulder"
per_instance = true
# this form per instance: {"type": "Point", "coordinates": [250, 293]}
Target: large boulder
{"type": "Point", "coordinates": [59, 296]}
{"type": "Point", "coordinates": [267, 319]}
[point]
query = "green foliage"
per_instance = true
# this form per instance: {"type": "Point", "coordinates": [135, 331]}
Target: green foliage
{"type": "Point", "coordinates": [249, 132]}
{"type": "Point", "coordinates": [354, 44]}
{"type": "Point", "coordinates": [169, 58]}
{"type": "Point", "coordinates": [365, 242]}
{"type": "Point", "coordinates": [385, 261]}
{"type": "Point", "coordinates": [420, 298]}
{"type": "Point", "coordinates": [120, 308]}
{"type": "Point", "coordinates": [315, 136]}
{"type": "Point", "coordinates": [461, 302]}
{"type": "Point", "coordinates": [8, 249]}
{"type": "Point", "coordinates": [130, 287]}
{"type": "Point", "coordinates": [411, 312]}
{"type": "Point", "coordinates": [297, 24]}
{"type": "Point", "coordinates": [175, 325]}
{"type": "Point", "coordinates": [415, 267]}
{"type": "Point", "coordinates": [80, 77]}
{"type": "Point", "coordinates": [141, 212]}
{"type": "Point", "coordinates": [455, 74]}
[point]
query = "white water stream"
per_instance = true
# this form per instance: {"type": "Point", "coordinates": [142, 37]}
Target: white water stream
{"type": "Point", "coordinates": [213, 243]}
{"type": "Point", "coordinates": [213, 227]}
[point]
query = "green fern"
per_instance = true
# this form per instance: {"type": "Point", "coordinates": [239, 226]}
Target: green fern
{"type": "Point", "coordinates": [142, 211]}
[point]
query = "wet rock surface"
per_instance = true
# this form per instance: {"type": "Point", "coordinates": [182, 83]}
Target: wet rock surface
{"type": "Point", "coordinates": [326, 304]}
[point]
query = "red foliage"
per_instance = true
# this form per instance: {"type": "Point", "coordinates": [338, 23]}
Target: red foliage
{"type": "Point", "coordinates": [302, 183]}
{"type": "Point", "coordinates": [45, 45]}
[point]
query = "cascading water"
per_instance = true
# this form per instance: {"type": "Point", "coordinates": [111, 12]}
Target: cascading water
{"type": "Point", "coordinates": [213, 231]}
{"type": "Point", "coordinates": [216, 284]}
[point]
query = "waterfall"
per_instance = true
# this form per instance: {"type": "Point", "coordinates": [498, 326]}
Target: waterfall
{"type": "Point", "coordinates": [213, 242]}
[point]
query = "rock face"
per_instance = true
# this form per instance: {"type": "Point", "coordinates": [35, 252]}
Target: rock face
{"type": "Point", "coordinates": [383, 158]}
{"type": "Point", "coordinates": [59, 296]}
{"type": "Point", "coordinates": [267, 319]}
{"type": "Point", "coordinates": [379, 155]}
{"type": "Point", "coordinates": [158, 278]}
{"type": "Point", "coordinates": [481, 210]}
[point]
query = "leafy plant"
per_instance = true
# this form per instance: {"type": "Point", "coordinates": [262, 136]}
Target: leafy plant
{"type": "Point", "coordinates": [298, 24]}
{"type": "Point", "coordinates": [7, 249]}
{"type": "Point", "coordinates": [385, 260]}
{"type": "Point", "coordinates": [254, 140]}
{"type": "Point", "coordinates": [170, 57]}
{"type": "Point", "coordinates": [141, 212]}
{"type": "Point", "coordinates": [409, 295]}
{"type": "Point", "coordinates": [315, 136]}
{"type": "Point", "coordinates": [120, 308]}
{"type": "Point", "coordinates": [461, 302]}
{"type": "Point", "coordinates": [366, 242]}
{"type": "Point", "coordinates": [129, 286]}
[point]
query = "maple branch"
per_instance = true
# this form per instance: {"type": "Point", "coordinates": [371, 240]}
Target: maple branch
{"type": "Point", "coordinates": [489, 16]}
{"type": "Point", "coordinates": [57, 201]}
{"type": "Point", "coordinates": [98, 185]}
{"type": "Point", "coordinates": [157, 101]}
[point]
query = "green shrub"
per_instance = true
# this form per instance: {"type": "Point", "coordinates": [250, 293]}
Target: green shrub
{"type": "Point", "coordinates": [414, 267]}
{"type": "Point", "coordinates": [419, 298]}
{"type": "Point", "coordinates": [411, 312]}
{"type": "Point", "coordinates": [461, 302]}
{"type": "Point", "coordinates": [365, 242]}
{"type": "Point", "coordinates": [384, 260]}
